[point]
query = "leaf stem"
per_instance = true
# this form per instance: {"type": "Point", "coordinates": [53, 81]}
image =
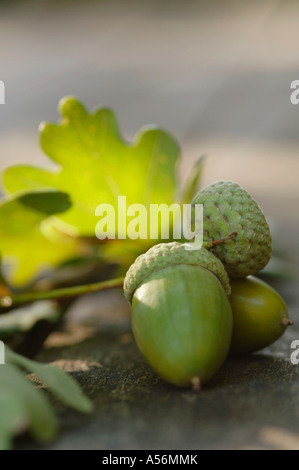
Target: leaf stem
{"type": "Point", "coordinates": [66, 291]}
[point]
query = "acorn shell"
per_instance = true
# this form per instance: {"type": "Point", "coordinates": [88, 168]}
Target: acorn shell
{"type": "Point", "coordinates": [260, 315]}
{"type": "Point", "coordinates": [165, 255]}
{"type": "Point", "coordinates": [182, 323]}
{"type": "Point", "coordinates": [228, 208]}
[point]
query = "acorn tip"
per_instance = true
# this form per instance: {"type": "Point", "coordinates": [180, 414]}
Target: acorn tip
{"type": "Point", "coordinates": [287, 322]}
{"type": "Point", "coordinates": [195, 384]}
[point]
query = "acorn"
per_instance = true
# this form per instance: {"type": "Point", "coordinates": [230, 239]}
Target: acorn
{"type": "Point", "coordinates": [229, 208]}
{"type": "Point", "coordinates": [181, 315]}
{"type": "Point", "coordinates": [260, 315]}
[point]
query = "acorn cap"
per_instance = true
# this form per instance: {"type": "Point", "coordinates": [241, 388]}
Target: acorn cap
{"type": "Point", "coordinates": [229, 208]}
{"type": "Point", "coordinates": [171, 254]}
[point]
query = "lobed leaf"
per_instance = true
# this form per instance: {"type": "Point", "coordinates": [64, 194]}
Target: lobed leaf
{"type": "Point", "coordinates": [96, 166]}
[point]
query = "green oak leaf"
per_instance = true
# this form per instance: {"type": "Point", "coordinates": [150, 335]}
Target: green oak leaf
{"type": "Point", "coordinates": [24, 406]}
{"type": "Point", "coordinates": [95, 166]}
{"type": "Point", "coordinates": [25, 245]}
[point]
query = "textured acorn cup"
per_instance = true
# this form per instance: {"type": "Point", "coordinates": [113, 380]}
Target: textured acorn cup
{"type": "Point", "coordinates": [182, 327]}
{"type": "Point", "coordinates": [260, 315]}
{"type": "Point", "coordinates": [229, 208]}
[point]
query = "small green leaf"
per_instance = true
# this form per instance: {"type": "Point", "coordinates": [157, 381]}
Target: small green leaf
{"type": "Point", "coordinates": [42, 423]}
{"type": "Point", "coordinates": [192, 184]}
{"type": "Point", "coordinates": [58, 382]}
{"type": "Point", "coordinates": [23, 405]}
{"type": "Point", "coordinates": [14, 416]}
{"type": "Point", "coordinates": [24, 247]}
{"type": "Point", "coordinates": [96, 166]}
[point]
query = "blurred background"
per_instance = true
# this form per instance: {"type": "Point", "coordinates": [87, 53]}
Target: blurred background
{"type": "Point", "coordinates": [216, 74]}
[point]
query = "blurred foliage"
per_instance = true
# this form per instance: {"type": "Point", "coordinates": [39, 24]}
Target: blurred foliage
{"type": "Point", "coordinates": [23, 406]}
{"type": "Point", "coordinates": [24, 242]}
{"type": "Point", "coordinates": [193, 181]}
{"type": "Point", "coordinates": [22, 320]}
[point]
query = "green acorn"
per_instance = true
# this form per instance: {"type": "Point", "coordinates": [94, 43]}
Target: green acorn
{"type": "Point", "coordinates": [181, 315]}
{"type": "Point", "coordinates": [229, 208]}
{"type": "Point", "coordinates": [260, 315]}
